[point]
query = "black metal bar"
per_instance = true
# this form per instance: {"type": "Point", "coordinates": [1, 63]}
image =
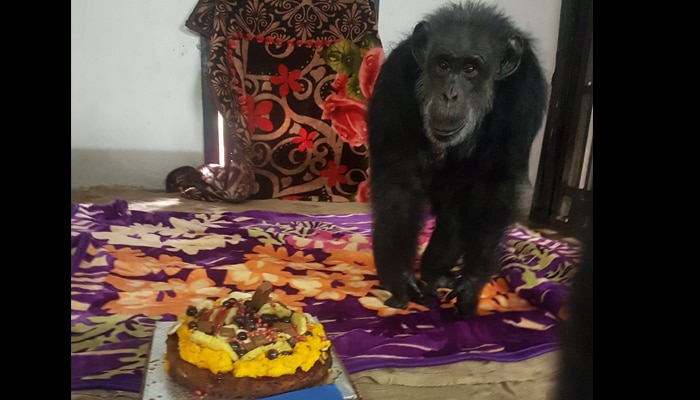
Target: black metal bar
{"type": "Point", "coordinates": [209, 112]}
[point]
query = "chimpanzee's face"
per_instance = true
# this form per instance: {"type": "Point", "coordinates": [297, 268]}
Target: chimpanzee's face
{"type": "Point", "coordinates": [457, 82]}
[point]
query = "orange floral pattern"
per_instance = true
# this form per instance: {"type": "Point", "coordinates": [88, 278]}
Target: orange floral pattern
{"type": "Point", "coordinates": [497, 296]}
{"type": "Point", "coordinates": [131, 269]}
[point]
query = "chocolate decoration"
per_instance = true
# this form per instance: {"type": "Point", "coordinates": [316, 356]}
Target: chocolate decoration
{"type": "Point", "coordinates": [227, 331]}
{"type": "Point", "coordinates": [255, 342]}
{"type": "Point", "coordinates": [286, 327]}
{"type": "Point", "coordinates": [261, 295]}
{"type": "Point", "coordinates": [205, 326]}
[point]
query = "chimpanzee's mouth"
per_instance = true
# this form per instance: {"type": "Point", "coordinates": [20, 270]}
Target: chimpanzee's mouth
{"type": "Point", "coordinates": [446, 132]}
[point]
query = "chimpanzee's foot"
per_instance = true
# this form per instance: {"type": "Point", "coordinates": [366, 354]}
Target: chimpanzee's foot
{"type": "Point", "coordinates": [414, 291]}
{"type": "Point", "coordinates": [444, 281]}
{"type": "Point", "coordinates": [467, 300]}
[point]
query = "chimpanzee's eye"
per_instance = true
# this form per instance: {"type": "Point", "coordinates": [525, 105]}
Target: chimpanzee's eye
{"type": "Point", "coordinates": [443, 65]}
{"type": "Point", "coordinates": [470, 69]}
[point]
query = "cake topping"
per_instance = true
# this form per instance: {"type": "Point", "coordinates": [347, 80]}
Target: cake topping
{"type": "Point", "coordinates": [250, 336]}
{"type": "Point", "coordinates": [261, 295]}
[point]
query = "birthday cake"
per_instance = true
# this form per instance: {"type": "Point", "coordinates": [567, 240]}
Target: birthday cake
{"type": "Point", "coordinates": [246, 346]}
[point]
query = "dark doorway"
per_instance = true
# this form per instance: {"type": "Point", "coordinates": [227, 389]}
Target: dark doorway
{"type": "Point", "coordinates": [563, 192]}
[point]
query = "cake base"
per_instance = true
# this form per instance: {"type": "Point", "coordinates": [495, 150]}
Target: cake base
{"type": "Point", "coordinates": [230, 387]}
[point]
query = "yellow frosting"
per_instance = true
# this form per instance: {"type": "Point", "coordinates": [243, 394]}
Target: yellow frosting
{"type": "Point", "coordinates": [304, 354]}
{"type": "Point", "coordinates": [215, 361]}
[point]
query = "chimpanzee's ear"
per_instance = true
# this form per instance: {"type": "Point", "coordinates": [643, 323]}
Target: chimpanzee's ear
{"type": "Point", "coordinates": [511, 58]}
{"type": "Point", "coordinates": [419, 41]}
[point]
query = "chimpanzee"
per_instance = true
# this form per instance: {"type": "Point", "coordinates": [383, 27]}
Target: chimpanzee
{"type": "Point", "coordinates": [451, 120]}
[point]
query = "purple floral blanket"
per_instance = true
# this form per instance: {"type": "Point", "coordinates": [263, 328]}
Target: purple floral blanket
{"type": "Point", "coordinates": [130, 269]}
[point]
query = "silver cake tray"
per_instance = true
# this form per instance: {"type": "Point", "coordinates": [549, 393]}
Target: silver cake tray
{"type": "Point", "coordinates": [157, 384]}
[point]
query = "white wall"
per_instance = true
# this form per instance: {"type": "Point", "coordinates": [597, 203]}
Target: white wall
{"type": "Point", "coordinates": [136, 110]}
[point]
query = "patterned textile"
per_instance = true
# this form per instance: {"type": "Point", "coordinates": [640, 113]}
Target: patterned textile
{"type": "Point", "coordinates": [130, 269]}
{"type": "Point", "coordinates": [291, 79]}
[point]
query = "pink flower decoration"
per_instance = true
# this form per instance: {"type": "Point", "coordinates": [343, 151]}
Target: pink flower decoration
{"type": "Point", "coordinates": [347, 118]}
{"type": "Point", "coordinates": [369, 70]}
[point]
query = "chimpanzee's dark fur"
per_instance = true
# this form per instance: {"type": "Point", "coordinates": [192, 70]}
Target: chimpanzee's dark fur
{"type": "Point", "coordinates": [451, 120]}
